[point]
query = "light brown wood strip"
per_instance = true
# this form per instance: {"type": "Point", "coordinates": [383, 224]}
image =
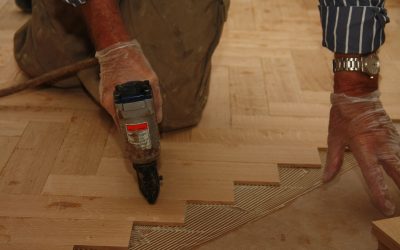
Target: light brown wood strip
{"type": "Point", "coordinates": [217, 111]}
{"type": "Point", "coordinates": [34, 246]}
{"type": "Point", "coordinates": [74, 98]}
{"type": "Point", "coordinates": [241, 16]}
{"type": "Point", "coordinates": [7, 146]}
{"type": "Point", "coordinates": [312, 76]}
{"type": "Point", "coordinates": [299, 109]}
{"type": "Point", "coordinates": [281, 82]}
{"type": "Point", "coordinates": [279, 137]}
{"type": "Point", "coordinates": [136, 210]}
{"type": "Point", "coordinates": [241, 173]}
{"type": "Point", "coordinates": [210, 190]}
{"type": "Point", "coordinates": [275, 122]}
{"type": "Point", "coordinates": [115, 145]}
{"type": "Point", "coordinates": [388, 232]}
{"type": "Point", "coordinates": [83, 145]}
{"type": "Point", "coordinates": [237, 61]}
{"type": "Point", "coordinates": [12, 128]}
{"type": "Point", "coordinates": [248, 93]}
{"type": "Point", "coordinates": [32, 160]}
{"type": "Point", "coordinates": [229, 171]}
{"type": "Point", "coordinates": [37, 114]}
{"type": "Point", "coordinates": [64, 231]}
{"type": "Point", "coordinates": [308, 156]}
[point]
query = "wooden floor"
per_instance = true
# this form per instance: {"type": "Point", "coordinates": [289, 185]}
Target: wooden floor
{"type": "Point", "coordinates": [64, 180]}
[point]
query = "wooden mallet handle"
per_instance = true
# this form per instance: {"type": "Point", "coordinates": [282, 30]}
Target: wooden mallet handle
{"type": "Point", "coordinates": [54, 75]}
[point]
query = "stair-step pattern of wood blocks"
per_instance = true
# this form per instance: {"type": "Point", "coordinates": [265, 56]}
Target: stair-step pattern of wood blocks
{"type": "Point", "coordinates": [64, 180]}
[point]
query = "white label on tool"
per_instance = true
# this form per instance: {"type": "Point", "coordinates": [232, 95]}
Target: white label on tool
{"type": "Point", "coordinates": [139, 135]}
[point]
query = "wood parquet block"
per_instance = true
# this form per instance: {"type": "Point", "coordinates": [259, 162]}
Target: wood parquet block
{"type": "Point", "coordinates": [48, 231]}
{"type": "Point", "coordinates": [7, 146]}
{"type": "Point", "coordinates": [83, 145]}
{"type": "Point", "coordinates": [92, 208]}
{"type": "Point", "coordinates": [30, 164]}
{"type": "Point", "coordinates": [66, 180]}
{"type": "Point", "coordinates": [388, 233]}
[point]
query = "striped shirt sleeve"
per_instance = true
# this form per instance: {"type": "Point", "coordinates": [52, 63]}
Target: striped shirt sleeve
{"type": "Point", "coordinates": [353, 26]}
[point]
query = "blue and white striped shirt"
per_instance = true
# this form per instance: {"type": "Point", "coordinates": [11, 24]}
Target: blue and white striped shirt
{"type": "Point", "coordinates": [353, 26]}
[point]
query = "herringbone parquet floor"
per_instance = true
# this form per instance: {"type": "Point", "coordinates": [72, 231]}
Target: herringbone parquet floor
{"type": "Point", "coordinates": [64, 180]}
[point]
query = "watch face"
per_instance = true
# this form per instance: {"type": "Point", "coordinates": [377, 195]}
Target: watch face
{"type": "Point", "coordinates": [371, 64]}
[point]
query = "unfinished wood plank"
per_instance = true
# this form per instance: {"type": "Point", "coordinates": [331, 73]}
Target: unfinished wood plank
{"type": "Point", "coordinates": [279, 137]}
{"type": "Point", "coordinates": [388, 232]}
{"type": "Point", "coordinates": [182, 135]}
{"type": "Point", "coordinates": [239, 173]}
{"type": "Point", "coordinates": [276, 122]}
{"type": "Point", "coordinates": [248, 93]}
{"type": "Point", "coordinates": [38, 246]}
{"type": "Point", "coordinates": [115, 145]}
{"type": "Point", "coordinates": [136, 210]}
{"type": "Point", "coordinates": [32, 160]}
{"type": "Point", "coordinates": [308, 156]}
{"type": "Point", "coordinates": [241, 16]}
{"type": "Point", "coordinates": [217, 111]}
{"type": "Point", "coordinates": [7, 146]}
{"type": "Point", "coordinates": [299, 109]}
{"type": "Point", "coordinates": [261, 174]}
{"type": "Point", "coordinates": [11, 16]}
{"type": "Point", "coordinates": [282, 84]}
{"type": "Point", "coordinates": [83, 146]}
{"type": "Point", "coordinates": [237, 61]}
{"type": "Point", "coordinates": [38, 114]}
{"type": "Point", "coordinates": [74, 98]}
{"type": "Point", "coordinates": [115, 167]}
{"type": "Point", "coordinates": [210, 190]}
{"type": "Point", "coordinates": [314, 76]}
{"type": "Point", "coordinates": [12, 128]}
{"type": "Point", "coordinates": [41, 231]}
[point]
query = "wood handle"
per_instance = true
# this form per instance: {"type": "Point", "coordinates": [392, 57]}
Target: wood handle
{"type": "Point", "coordinates": [54, 75]}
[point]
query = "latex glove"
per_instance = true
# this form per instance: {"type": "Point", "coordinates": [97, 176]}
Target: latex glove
{"type": "Point", "coordinates": [123, 62]}
{"type": "Point", "coordinates": [362, 124]}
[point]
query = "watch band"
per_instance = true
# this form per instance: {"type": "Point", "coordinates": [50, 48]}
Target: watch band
{"type": "Point", "coordinates": [75, 3]}
{"type": "Point", "coordinates": [347, 64]}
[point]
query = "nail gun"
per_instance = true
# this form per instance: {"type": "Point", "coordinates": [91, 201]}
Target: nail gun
{"type": "Point", "coordinates": [137, 122]}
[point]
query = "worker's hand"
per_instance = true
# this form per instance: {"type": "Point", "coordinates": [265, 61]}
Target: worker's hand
{"type": "Point", "coordinates": [123, 62]}
{"type": "Point", "coordinates": [362, 124]}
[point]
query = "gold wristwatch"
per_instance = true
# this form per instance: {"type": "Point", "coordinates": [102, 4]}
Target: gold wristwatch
{"type": "Point", "coordinates": [369, 64]}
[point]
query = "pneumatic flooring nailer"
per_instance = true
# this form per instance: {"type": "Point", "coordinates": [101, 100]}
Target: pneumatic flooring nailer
{"type": "Point", "coordinates": [136, 118]}
{"type": "Point", "coordinates": [137, 122]}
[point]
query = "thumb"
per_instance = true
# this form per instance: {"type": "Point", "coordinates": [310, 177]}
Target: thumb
{"type": "Point", "coordinates": [334, 159]}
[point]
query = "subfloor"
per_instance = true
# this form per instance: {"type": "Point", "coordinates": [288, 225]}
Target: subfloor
{"type": "Point", "coordinates": [64, 183]}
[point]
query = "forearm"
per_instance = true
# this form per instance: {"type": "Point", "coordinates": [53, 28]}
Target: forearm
{"type": "Point", "coordinates": [353, 83]}
{"type": "Point", "coordinates": [104, 22]}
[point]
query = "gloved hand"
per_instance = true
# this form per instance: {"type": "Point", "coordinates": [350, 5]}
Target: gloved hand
{"type": "Point", "coordinates": [123, 62]}
{"type": "Point", "coordinates": [362, 124]}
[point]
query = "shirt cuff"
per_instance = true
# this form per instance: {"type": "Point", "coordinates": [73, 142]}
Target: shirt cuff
{"type": "Point", "coordinates": [353, 26]}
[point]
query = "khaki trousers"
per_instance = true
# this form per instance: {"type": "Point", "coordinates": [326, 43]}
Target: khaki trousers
{"type": "Point", "coordinates": [177, 36]}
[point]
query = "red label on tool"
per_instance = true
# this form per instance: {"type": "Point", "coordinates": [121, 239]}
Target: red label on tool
{"type": "Point", "coordinates": [136, 127]}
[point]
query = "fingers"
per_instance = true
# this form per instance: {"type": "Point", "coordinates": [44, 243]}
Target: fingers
{"type": "Point", "coordinates": [391, 165]}
{"type": "Point", "coordinates": [373, 175]}
{"type": "Point", "coordinates": [334, 159]}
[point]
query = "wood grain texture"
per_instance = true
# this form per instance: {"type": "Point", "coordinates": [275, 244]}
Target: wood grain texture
{"type": "Point", "coordinates": [27, 170]}
{"type": "Point", "coordinates": [66, 180]}
{"type": "Point", "coordinates": [83, 145]}
{"type": "Point", "coordinates": [47, 231]}
{"type": "Point", "coordinates": [92, 208]}
{"type": "Point", "coordinates": [388, 232]}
